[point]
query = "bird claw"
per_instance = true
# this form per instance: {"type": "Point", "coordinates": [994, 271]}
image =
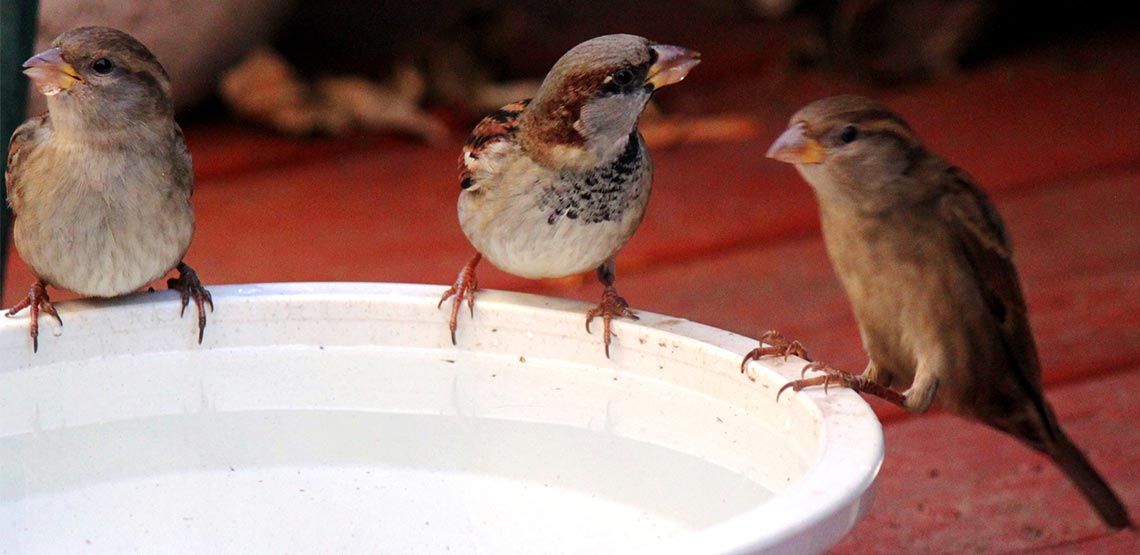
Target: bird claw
{"type": "Point", "coordinates": [611, 306]}
{"type": "Point", "coordinates": [830, 376]}
{"type": "Point", "coordinates": [37, 300]}
{"type": "Point", "coordinates": [463, 289]}
{"type": "Point", "coordinates": [773, 343]}
{"type": "Point", "coordinates": [834, 376]}
{"type": "Point", "coordinates": [190, 287]}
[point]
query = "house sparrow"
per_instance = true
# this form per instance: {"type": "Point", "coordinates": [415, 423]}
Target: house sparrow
{"type": "Point", "coordinates": [556, 185]}
{"type": "Point", "coordinates": [100, 184]}
{"type": "Point", "coordinates": [927, 266]}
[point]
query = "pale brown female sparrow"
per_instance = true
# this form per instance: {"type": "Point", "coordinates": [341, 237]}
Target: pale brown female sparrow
{"type": "Point", "coordinates": [100, 184]}
{"type": "Point", "coordinates": [925, 260]}
{"type": "Point", "coordinates": [556, 185]}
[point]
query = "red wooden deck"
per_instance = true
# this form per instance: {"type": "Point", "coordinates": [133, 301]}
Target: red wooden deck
{"type": "Point", "coordinates": [731, 240]}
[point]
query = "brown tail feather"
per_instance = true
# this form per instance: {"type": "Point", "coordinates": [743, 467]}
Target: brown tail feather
{"type": "Point", "coordinates": [1074, 464]}
{"type": "Point", "coordinates": [1036, 426]}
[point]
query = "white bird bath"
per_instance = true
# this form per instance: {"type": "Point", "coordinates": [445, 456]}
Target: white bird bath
{"type": "Point", "coordinates": [333, 417]}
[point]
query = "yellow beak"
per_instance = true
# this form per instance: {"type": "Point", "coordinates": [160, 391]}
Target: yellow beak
{"type": "Point", "coordinates": [50, 73]}
{"type": "Point", "coordinates": [795, 147]}
{"type": "Point", "coordinates": [673, 64]}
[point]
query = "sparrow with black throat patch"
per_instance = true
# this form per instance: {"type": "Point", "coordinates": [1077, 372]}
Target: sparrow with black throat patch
{"type": "Point", "coordinates": [100, 184]}
{"type": "Point", "coordinates": [556, 185]}
{"type": "Point", "coordinates": [926, 263]}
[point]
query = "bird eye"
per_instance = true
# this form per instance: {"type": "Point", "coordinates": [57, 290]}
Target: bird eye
{"type": "Point", "coordinates": [849, 134]}
{"type": "Point", "coordinates": [622, 77]}
{"type": "Point", "coordinates": [103, 65]}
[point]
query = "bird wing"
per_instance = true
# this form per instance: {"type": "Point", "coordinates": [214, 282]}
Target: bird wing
{"type": "Point", "coordinates": [24, 140]}
{"type": "Point", "coordinates": [184, 164]}
{"type": "Point", "coordinates": [498, 126]}
{"type": "Point", "coordinates": [974, 223]}
{"type": "Point", "coordinates": [978, 229]}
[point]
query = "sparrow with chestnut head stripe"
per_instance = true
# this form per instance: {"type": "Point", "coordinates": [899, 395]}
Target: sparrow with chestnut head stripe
{"type": "Point", "coordinates": [100, 184]}
{"type": "Point", "coordinates": [556, 185]}
{"type": "Point", "coordinates": [926, 263]}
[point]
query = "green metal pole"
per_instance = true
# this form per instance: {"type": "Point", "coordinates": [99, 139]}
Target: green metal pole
{"type": "Point", "coordinates": [17, 34]}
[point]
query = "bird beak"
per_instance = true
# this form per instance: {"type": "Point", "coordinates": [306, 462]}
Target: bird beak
{"type": "Point", "coordinates": [50, 73]}
{"type": "Point", "coordinates": [795, 147]}
{"type": "Point", "coordinates": [673, 64]}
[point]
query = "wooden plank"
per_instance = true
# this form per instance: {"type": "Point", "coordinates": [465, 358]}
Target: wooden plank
{"type": "Point", "coordinates": [224, 148]}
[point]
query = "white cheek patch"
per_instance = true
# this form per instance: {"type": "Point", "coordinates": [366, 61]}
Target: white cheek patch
{"type": "Point", "coordinates": [606, 122]}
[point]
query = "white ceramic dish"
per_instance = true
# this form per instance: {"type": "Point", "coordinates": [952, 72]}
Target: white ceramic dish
{"type": "Point", "coordinates": [339, 417]}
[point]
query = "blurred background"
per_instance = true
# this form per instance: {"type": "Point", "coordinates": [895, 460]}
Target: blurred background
{"type": "Point", "coordinates": [325, 136]}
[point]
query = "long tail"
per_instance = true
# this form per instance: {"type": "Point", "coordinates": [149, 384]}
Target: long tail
{"type": "Point", "coordinates": [1085, 477]}
{"type": "Point", "coordinates": [1036, 426]}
